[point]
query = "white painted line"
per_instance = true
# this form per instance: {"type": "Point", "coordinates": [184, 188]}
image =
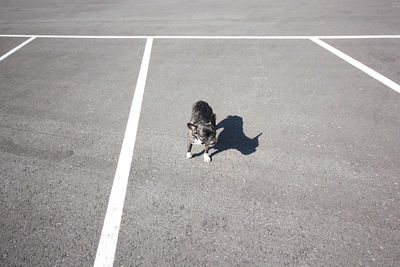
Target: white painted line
{"type": "Point", "coordinates": [17, 35]}
{"type": "Point", "coordinates": [358, 37]}
{"type": "Point", "coordinates": [109, 235]}
{"type": "Point", "coordinates": [81, 36]}
{"type": "Point", "coordinates": [255, 37]}
{"type": "Point", "coordinates": [389, 83]}
{"type": "Point", "coordinates": [282, 37]}
{"type": "Point", "coordinates": [233, 37]}
{"type": "Point", "coordinates": [16, 48]}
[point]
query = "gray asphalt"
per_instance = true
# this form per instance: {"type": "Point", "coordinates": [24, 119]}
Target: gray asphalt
{"type": "Point", "coordinates": [6, 44]}
{"type": "Point", "coordinates": [176, 17]}
{"type": "Point", "coordinates": [307, 168]}
{"type": "Point", "coordinates": [321, 188]}
{"type": "Point", "coordinates": [60, 137]}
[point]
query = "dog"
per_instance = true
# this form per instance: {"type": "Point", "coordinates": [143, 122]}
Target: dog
{"type": "Point", "coordinates": [202, 129]}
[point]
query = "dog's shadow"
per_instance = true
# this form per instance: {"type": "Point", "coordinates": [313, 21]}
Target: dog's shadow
{"type": "Point", "coordinates": [233, 137]}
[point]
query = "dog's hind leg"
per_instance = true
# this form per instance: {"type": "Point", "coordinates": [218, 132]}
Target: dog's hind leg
{"type": "Point", "coordinates": [213, 119]}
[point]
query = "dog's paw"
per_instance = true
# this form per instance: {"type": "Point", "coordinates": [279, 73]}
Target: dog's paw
{"type": "Point", "coordinates": [188, 155]}
{"type": "Point", "coordinates": [206, 158]}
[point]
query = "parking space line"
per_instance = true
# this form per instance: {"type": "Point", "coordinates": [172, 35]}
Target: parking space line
{"type": "Point", "coordinates": [226, 37]}
{"type": "Point", "coordinates": [281, 37]}
{"type": "Point", "coordinates": [16, 48]}
{"type": "Point", "coordinates": [389, 83]}
{"type": "Point", "coordinates": [78, 36]}
{"type": "Point", "coordinates": [109, 235]}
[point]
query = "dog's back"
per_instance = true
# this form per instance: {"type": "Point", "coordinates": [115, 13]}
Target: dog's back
{"type": "Point", "coordinates": [201, 112]}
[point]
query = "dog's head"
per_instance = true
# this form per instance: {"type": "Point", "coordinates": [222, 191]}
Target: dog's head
{"type": "Point", "coordinates": [205, 133]}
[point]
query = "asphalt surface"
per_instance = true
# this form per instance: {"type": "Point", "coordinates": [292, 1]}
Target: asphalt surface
{"type": "Point", "coordinates": [176, 17]}
{"type": "Point", "coordinates": [305, 171]}
{"type": "Point", "coordinates": [60, 137]}
{"type": "Point", "coordinates": [320, 188]}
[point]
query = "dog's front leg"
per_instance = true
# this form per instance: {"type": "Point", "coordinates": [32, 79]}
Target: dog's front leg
{"type": "Point", "coordinates": [206, 156]}
{"type": "Point", "coordinates": [189, 150]}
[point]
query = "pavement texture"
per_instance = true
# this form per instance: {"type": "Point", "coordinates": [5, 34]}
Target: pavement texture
{"type": "Point", "coordinates": [176, 17]}
{"type": "Point", "coordinates": [319, 186]}
{"type": "Point", "coordinates": [380, 55]}
{"type": "Point", "coordinates": [60, 136]}
{"type": "Point", "coordinates": [6, 44]}
{"type": "Point", "coordinates": [305, 172]}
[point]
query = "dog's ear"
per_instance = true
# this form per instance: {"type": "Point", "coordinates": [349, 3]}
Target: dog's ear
{"type": "Point", "coordinates": [192, 127]}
